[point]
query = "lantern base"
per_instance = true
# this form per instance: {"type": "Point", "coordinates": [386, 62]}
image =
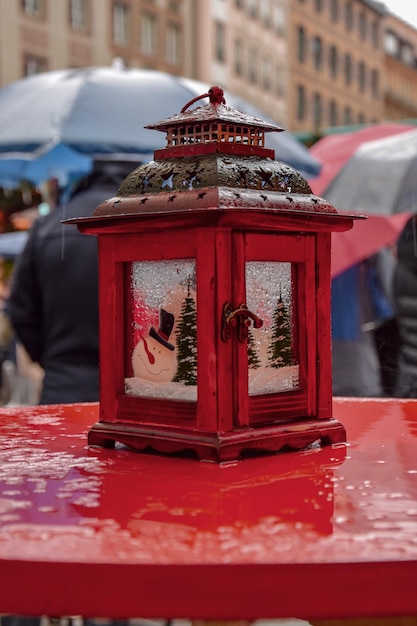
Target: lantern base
{"type": "Point", "coordinates": [219, 447]}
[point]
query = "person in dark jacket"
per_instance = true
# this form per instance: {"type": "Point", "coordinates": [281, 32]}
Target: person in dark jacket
{"type": "Point", "coordinates": [405, 298]}
{"type": "Point", "coordinates": [53, 305]}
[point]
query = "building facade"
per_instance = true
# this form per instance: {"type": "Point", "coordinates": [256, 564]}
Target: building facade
{"type": "Point", "coordinates": [238, 44]}
{"type": "Point", "coordinates": [307, 64]}
{"type": "Point", "coordinates": [243, 46]}
{"type": "Point", "coordinates": [400, 63]}
{"type": "Point", "coordinates": [37, 35]}
{"type": "Point", "coordinates": [42, 35]}
{"type": "Point", "coordinates": [152, 34]}
{"type": "Point", "coordinates": [336, 64]}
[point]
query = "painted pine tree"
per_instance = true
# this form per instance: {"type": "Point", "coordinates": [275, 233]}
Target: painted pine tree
{"type": "Point", "coordinates": [253, 358]}
{"type": "Point", "coordinates": [280, 346]}
{"type": "Point", "coordinates": [186, 334]}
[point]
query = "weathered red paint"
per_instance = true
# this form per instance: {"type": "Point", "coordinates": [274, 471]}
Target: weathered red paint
{"type": "Point", "coordinates": [223, 210]}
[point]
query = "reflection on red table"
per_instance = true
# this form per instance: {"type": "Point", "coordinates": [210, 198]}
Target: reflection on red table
{"type": "Point", "coordinates": [324, 533]}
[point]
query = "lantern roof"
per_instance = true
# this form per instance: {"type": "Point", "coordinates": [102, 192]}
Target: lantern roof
{"type": "Point", "coordinates": [216, 110]}
{"type": "Point", "coordinates": [215, 126]}
{"type": "Point", "coordinates": [215, 161]}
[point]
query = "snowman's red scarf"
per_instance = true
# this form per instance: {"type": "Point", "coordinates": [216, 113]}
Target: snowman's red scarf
{"type": "Point", "coordinates": [150, 356]}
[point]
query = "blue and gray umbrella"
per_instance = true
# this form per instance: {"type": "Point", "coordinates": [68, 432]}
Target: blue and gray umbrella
{"type": "Point", "coordinates": [60, 161]}
{"type": "Point", "coordinates": [100, 113]}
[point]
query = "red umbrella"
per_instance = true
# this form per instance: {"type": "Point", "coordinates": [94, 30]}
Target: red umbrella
{"type": "Point", "coordinates": [334, 151]}
{"type": "Point", "coordinates": [365, 239]}
{"type": "Point", "coordinates": [377, 231]}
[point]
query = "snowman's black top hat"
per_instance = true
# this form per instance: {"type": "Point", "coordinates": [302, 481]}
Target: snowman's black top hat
{"type": "Point", "coordinates": [166, 323]}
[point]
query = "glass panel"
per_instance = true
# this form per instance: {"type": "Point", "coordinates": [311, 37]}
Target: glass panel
{"type": "Point", "coordinates": [162, 331]}
{"type": "Point", "coordinates": [272, 361]}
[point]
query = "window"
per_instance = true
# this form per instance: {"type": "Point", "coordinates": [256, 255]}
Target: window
{"type": "Point", "coordinates": [172, 46]}
{"type": "Point", "coordinates": [220, 42]}
{"type": "Point", "coordinates": [301, 44]}
{"type": "Point", "coordinates": [252, 8]}
{"type": "Point", "coordinates": [301, 103]}
{"type": "Point", "coordinates": [363, 25]}
{"type": "Point", "coordinates": [120, 24]}
{"type": "Point", "coordinates": [174, 7]}
{"type": "Point", "coordinates": [318, 5]}
{"type": "Point", "coordinates": [348, 16]}
{"type": "Point", "coordinates": [361, 76]}
{"type": "Point", "coordinates": [375, 34]}
{"type": "Point", "coordinates": [347, 116]}
{"type": "Point", "coordinates": [391, 44]}
{"type": "Point", "coordinates": [407, 54]}
{"type": "Point", "coordinates": [333, 114]}
{"type": "Point", "coordinates": [148, 34]}
{"type": "Point", "coordinates": [266, 12]}
{"type": "Point", "coordinates": [334, 10]}
{"type": "Point", "coordinates": [253, 65]}
{"type": "Point", "coordinates": [34, 8]}
{"type": "Point", "coordinates": [333, 61]}
{"type": "Point", "coordinates": [266, 73]}
{"type": "Point", "coordinates": [79, 15]}
{"type": "Point", "coordinates": [279, 81]}
{"type": "Point", "coordinates": [317, 53]}
{"type": "Point", "coordinates": [33, 65]}
{"type": "Point", "coordinates": [317, 112]}
{"type": "Point", "coordinates": [375, 83]}
{"type": "Point", "coordinates": [238, 57]}
{"type": "Point", "coordinates": [348, 69]}
{"type": "Point", "coordinates": [279, 19]}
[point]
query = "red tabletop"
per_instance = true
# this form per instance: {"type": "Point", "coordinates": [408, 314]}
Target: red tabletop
{"type": "Point", "coordinates": [322, 533]}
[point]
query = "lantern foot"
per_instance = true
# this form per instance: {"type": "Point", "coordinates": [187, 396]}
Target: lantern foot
{"type": "Point", "coordinates": [220, 447]}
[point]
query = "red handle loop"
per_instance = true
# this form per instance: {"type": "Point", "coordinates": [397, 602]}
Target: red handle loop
{"type": "Point", "coordinates": [214, 93]}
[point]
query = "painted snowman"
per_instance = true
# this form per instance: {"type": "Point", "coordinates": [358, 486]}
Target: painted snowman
{"type": "Point", "coordinates": [153, 357]}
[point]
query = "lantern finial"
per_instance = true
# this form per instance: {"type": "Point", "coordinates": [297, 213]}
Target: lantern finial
{"type": "Point", "coordinates": [215, 94]}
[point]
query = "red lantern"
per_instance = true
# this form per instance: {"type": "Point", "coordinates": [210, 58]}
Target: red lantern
{"type": "Point", "coordinates": [214, 265]}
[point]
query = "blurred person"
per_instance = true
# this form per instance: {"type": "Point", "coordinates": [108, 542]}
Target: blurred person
{"type": "Point", "coordinates": [386, 329]}
{"type": "Point", "coordinates": [6, 330]}
{"type": "Point", "coordinates": [405, 299]}
{"type": "Point", "coordinates": [50, 193]}
{"type": "Point", "coordinates": [53, 304]}
{"type": "Point", "coordinates": [364, 343]}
